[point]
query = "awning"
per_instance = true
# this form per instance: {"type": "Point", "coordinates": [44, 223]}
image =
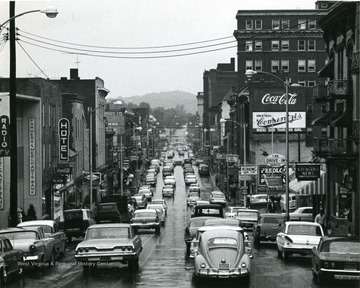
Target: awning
{"type": "Point", "coordinates": [323, 120]}
{"type": "Point", "coordinates": [304, 188]}
{"type": "Point", "coordinates": [345, 119]}
{"type": "Point", "coordinates": [327, 70]}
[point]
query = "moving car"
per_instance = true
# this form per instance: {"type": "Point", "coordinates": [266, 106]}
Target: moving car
{"type": "Point", "coordinates": [167, 171]}
{"type": "Point", "coordinates": [192, 198]}
{"type": "Point", "coordinates": [51, 229]}
{"type": "Point", "coordinates": [336, 258]}
{"type": "Point", "coordinates": [162, 202]}
{"type": "Point", "coordinates": [222, 254]}
{"type": "Point", "coordinates": [151, 179]}
{"type": "Point", "coordinates": [194, 188]}
{"type": "Point", "coordinates": [302, 214]}
{"type": "Point", "coordinates": [147, 192]}
{"type": "Point", "coordinates": [201, 202]}
{"type": "Point", "coordinates": [109, 243]}
{"type": "Point", "coordinates": [247, 217]}
{"type": "Point", "coordinates": [233, 211]}
{"type": "Point", "coordinates": [160, 209]}
{"type": "Point", "coordinates": [292, 202]}
{"type": "Point", "coordinates": [76, 221]}
{"type": "Point", "coordinates": [259, 201]}
{"type": "Point", "coordinates": [217, 197]}
{"type": "Point", "coordinates": [204, 170]}
{"type": "Point", "coordinates": [268, 226]}
{"type": "Point", "coordinates": [212, 210]}
{"type": "Point", "coordinates": [146, 219]}
{"type": "Point", "coordinates": [10, 260]}
{"type": "Point", "coordinates": [141, 200]}
{"type": "Point", "coordinates": [298, 237]}
{"type": "Point", "coordinates": [170, 180]}
{"type": "Point", "coordinates": [190, 179]}
{"type": "Point", "coordinates": [168, 191]}
{"type": "Point", "coordinates": [37, 248]}
{"type": "Point", "coordinates": [108, 213]}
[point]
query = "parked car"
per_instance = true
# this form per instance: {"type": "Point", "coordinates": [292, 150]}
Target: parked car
{"type": "Point", "coordinates": [188, 161]}
{"type": "Point", "coordinates": [188, 170]}
{"type": "Point", "coordinates": [107, 213]}
{"type": "Point", "coordinates": [259, 201]}
{"type": "Point", "coordinates": [178, 162]}
{"type": "Point", "coordinates": [192, 198]}
{"type": "Point", "coordinates": [217, 197]}
{"type": "Point", "coordinates": [37, 248]}
{"type": "Point", "coordinates": [168, 191]}
{"type": "Point", "coordinates": [191, 227]}
{"type": "Point", "coordinates": [292, 202]}
{"type": "Point", "coordinates": [212, 210]}
{"type": "Point", "coordinates": [221, 254]}
{"type": "Point", "coordinates": [147, 192]}
{"type": "Point", "coordinates": [162, 202]}
{"type": "Point", "coordinates": [336, 258]}
{"type": "Point", "coordinates": [146, 219]}
{"type": "Point", "coordinates": [109, 243]}
{"type": "Point", "coordinates": [151, 179]}
{"type": "Point", "coordinates": [160, 209]}
{"type": "Point", "coordinates": [232, 212]}
{"type": "Point", "coordinates": [201, 202]}
{"type": "Point", "coordinates": [153, 170]}
{"type": "Point", "coordinates": [76, 221]}
{"type": "Point", "coordinates": [140, 200]}
{"type": "Point", "coordinates": [51, 229]}
{"type": "Point", "coordinates": [247, 217]}
{"type": "Point", "coordinates": [10, 260]}
{"type": "Point", "coordinates": [204, 170]}
{"type": "Point", "coordinates": [268, 226]}
{"type": "Point", "coordinates": [298, 237]}
{"type": "Point", "coordinates": [198, 161]}
{"type": "Point", "coordinates": [167, 171]}
{"type": "Point", "coordinates": [170, 180]}
{"type": "Point", "coordinates": [194, 188]}
{"type": "Point", "coordinates": [302, 214]}
{"type": "Point", "coordinates": [190, 179]}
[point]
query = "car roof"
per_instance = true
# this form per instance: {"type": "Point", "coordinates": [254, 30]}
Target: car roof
{"type": "Point", "coordinates": [223, 227]}
{"type": "Point", "coordinates": [145, 210]}
{"type": "Point", "coordinates": [222, 221]}
{"type": "Point", "coordinates": [302, 223]}
{"type": "Point", "coordinates": [37, 222]}
{"type": "Point", "coordinates": [273, 215]}
{"type": "Point", "coordinates": [109, 225]}
{"type": "Point", "coordinates": [219, 233]}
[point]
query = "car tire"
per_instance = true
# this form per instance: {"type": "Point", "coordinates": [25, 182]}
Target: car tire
{"type": "Point", "coordinates": [279, 253]}
{"type": "Point", "coordinates": [157, 230]}
{"type": "Point", "coordinates": [3, 276]}
{"type": "Point", "coordinates": [52, 259]}
{"type": "Point", "coordinates": [284, 254]}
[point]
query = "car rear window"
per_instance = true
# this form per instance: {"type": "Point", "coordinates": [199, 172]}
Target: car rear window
{"type": "Point", "coordinates": [222, 242]}
{"type": "Point", "coordinates": [311, 230]}
{"type": "Point", "coordinates": [73, 215]}
{"type": "Point", "coordinates": [108, 233]}
{"type": "Point", "coordinates": [107, 207]}
{"type": "Point", "coordinates": [344, 247]}
{"type": "Point", "coordinates": [273, 220]}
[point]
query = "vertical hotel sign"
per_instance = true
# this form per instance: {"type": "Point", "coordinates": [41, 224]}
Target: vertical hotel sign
{"type": "Point", "coordinates": [64, 133]}
{"type": "Point", "coordinates": [32, 162]}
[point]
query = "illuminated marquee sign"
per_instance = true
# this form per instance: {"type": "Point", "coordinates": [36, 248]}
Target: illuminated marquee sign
{"type": "Point", "coordinates": [265, 122]}
{"type": "Point", "coordinates": [32, 157]}
{"type": "Point", "coordinates": [64, 133]}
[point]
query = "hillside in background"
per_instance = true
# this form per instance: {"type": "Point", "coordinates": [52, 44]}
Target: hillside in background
{"type": "Point", "coordinates": [166, 100]}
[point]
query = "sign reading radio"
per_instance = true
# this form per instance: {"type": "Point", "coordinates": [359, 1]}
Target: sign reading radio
{"type": "Point", "coordinates": [32, 157]}
{"type": "Point", "coordinates": [64, 133]}
{"type": "Point", "coordinates": [4, 136]}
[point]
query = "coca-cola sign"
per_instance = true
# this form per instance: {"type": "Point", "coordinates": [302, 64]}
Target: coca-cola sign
{"type": "Point", "coordinates": [269, 99]}
{"type": "Point", "coordinates": [266, 122]}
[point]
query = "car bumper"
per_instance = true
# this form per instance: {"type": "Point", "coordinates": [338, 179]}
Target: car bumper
{"type": "Point", "coordinates": [167, 194]}
{"type": "Point", "coordinates": [216, 273]}
{"type": "Point", "coordinates": [218, 202]}
{"type": "Point", "coordinates": [299, 249]}
{"type": "Point", "coordinates": [247, 225]}
{"type": "Point", "coordinates": [32, 258]}
{"type": "Point", "coordinates": [339, 274]}
{"type": "Point", "coordinates": [103, 257]}
{"type": "Point", "coordinates": [145, 225]}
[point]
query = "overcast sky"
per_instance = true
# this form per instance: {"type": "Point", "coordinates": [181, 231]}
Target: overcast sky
{"type": "Point", "coordinates": [129, 24]}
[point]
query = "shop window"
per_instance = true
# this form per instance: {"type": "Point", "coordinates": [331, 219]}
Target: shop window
{"type": "Point", "coordinates": [275, 24]}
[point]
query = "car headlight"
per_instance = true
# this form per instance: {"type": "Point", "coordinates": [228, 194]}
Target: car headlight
{"type": "Point", "coordinates": [326, 264]}
{"type": "Point", "coordinates": [32, 248]}
{"type": "Point", "coordinates": [243, 265]}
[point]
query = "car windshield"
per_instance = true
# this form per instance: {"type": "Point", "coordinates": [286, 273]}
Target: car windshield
{"type": "Point", "coordinates": [222, 242]}
{"type": "Point", "coordinates": [311, 230]}
{"type": "Point", "coordinates": [247, 215]}
{"type": "Point", "coordinates": [107, 233]}
{"type": "Point", "coordinates": [73, 215]}
{"type": "Point", "coordinates": [344, 247]}
{"type": "Point", "coordinates": [273, 220]}
{"type": "Point", "coordinates": [30, 235]}
{"type": "Point", "coordinates": [144, 214]}
{"type": "Point", "coordinates": [107, 207]}
{"type": "Point", "coordinates": [193, 194]}
{"type": "Point", "coordinates": [218, 195]}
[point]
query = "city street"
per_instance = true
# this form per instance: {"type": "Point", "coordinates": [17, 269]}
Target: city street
{"type": "Point", "coordinates": [163, 262]}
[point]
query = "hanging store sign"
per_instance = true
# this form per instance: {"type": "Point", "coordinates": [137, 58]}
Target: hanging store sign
{"type": "Point", "coordinates": [267, 122]}
{"type": "Point", "coordinates": [64, 134]}
{"type": "Point", "coordinates": [249, 170]}
{"type": "Point", "coordinates": [271, 175]}
{"type": "Point", "coordinates": [307, 172]}
{"type": "Point", "coordinates": [32, 157]}
{"type": "Point", "coordinates": [4, 136]}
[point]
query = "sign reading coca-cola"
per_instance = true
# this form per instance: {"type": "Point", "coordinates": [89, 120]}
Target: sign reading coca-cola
{"type": "Point", "coordinates": [271, 99]}
{"type": "Point", "coordinates": [276, 122]}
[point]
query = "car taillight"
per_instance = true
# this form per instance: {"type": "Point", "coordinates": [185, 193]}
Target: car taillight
{"type": "Point", "coordinates": [32, 248]}
{"type": "Point", "coordinates": [202, 265]}
{"type": "Point", "coordinates": [130, 248]}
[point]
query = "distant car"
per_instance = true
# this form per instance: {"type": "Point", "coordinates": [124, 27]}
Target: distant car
{"type": "Point", "coordinates": [37, 248]}
{"type": "Point", "coordinates": [151, 179]}
{"type": "Point", "coordinates": [187, 161]}
{"type": "Point", "coordinates": [222, 254]}
{"type": "Point", "coordinates": [169, 163]}
{"type": "Point", "coordinates": [268, 226]}
{"type": "Point", "coordinates": [162, 202]}
{"type": "Point", "coordinates": [212, 210]}
{"type": "Point", "coordinates": [159, 208]}
{"type": "Point", "coordinates": [190, 179]}
{"type": "Point", "coordinates": [146, 219]}
{"type": "Point", "coordinates": [107, 213]}
{"type": "Point", "coordinates": [336, 258]}
{"type": "Point", "coordinates": [109, 243]}
{"type": "Point", "coordinates": [181, 152]}
{"type": "Point", "coordinates": [201, 202]}
{"type": "Point", "coordinates": [152, 170]}
{"type": "Point", "coordinates": [178, 162]}
{"type": "Point", "coordinates": [170, 180]}
{"type": "Point", "coordinates": [51, 229]}
{"type": "Point", "coordinates": [232, 212]}
{"type": "Point", "coordinates": [167, 171]}
{"type": "Point", "coordinates": [259, 201]}
{"type": "Point", "coordinates": [302, 214]}
{"type": "Point", "coordinates": [194, 188]}
{"type": "Point", "coordinates": [292, 202]}
{"type": "Point", "coordinates": [141, 200]}
{"type": "Point", "coordinates": [10, 260]}
{"type": "Point", "coordinates": [198, 161]}
{"type": "Point", "coordinates": [204, 170]}
{"type": "Point", "coordinates": [168, 191]}
{"type": "Point", "coordinates": [299, 238]}
{"type": "Point", "coordinates": [192, 198]}
{"type": "Point", "coordinates": [147, 192]}
{"type": "Point", "coordinates": [76, 222]}
{"type": "Point", "coordinates": [188, 170]}
{"type": "Point", "coordinates": [217, 197]}
{"type": "Point", "coordinates": [247, 217]}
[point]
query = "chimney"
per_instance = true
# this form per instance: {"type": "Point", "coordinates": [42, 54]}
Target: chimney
{"type": "Point", "coordinates": [74, 74]}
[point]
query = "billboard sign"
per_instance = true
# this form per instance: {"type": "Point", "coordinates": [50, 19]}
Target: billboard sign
{"type": "Point", "coordinates": [266, 122]}
{"type": "Point", "coordinates": [269, 175]}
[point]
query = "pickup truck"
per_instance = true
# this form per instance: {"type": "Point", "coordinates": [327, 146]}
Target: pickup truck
{"type": "Point", "coordinates": [247, 217]}
{"type": "Point", "coordinates": [122, 205]}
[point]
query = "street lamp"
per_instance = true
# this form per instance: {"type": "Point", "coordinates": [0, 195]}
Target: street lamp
{"type": "Point", "coordinates": [51, 12]}
{"type": "Point", "coordinates": [244, 148]}
{"type": "Point", "coordinates": [249, 74]}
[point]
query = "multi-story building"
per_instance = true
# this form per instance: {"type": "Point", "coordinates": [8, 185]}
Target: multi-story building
{"type": "Point", "coordinates": [337, 130]}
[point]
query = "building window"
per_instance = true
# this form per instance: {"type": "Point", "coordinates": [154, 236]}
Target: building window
{"type": "Point", "coordinates": [311, 45]}
{"type": "Point", "coordinates": [249, 46]}
{"type": "Point", "coordinates": [258, 24]}
{"type": "Point", "coordinates": [249, 24]}
{"type": "Point", "coordinates": [324, 5]}
{"type": "Point", "coordinates": [302, 83]}
{"type": "Point", "coordinates": [275, 45]}
{"type": "Point", "coordinates": [275, 24]}
{"type": "Point", "coordinates": [312, 24]}
{"type": "Point", "coordinates": [258, 65]}
{"type": "Point", "coordinates": [309, 130]}
{"type": "Point", "coordinates": [285, 65]}
{"type": "Point", "coordinates": [311, 65]}
{"type": "Point", "coordinates": [302, 24]}
{"type": "Point", "coordinates": [301, 65]}
{"type": "Point", "coordinates": [309, 108]}
{"type": "Point", "coordinates": [285, 24]}
{"type": "Point", "coordinates": [249, 65]}
{"type": "Point", "coordinates": [301, 45]}
{"type": "Point", "coordinates": [275, 66]}
{"type": "Point", "coordinates": [285, 45]}
{"type": "Point", "coordinates": [258, 45]}
{"type": "Point", "coordinates": [311, 83]}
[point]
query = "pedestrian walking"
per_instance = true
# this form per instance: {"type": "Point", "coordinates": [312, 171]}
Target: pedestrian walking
{"type": "Point", "coordinates": [31, 215]}
{"type": "Point", "coordinates": [320, 219]}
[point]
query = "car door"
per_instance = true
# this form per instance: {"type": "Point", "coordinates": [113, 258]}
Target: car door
{"type": "Point", "coordinates": [10, 256]}
{"type": "Point", "coordinates": [60, 238]}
